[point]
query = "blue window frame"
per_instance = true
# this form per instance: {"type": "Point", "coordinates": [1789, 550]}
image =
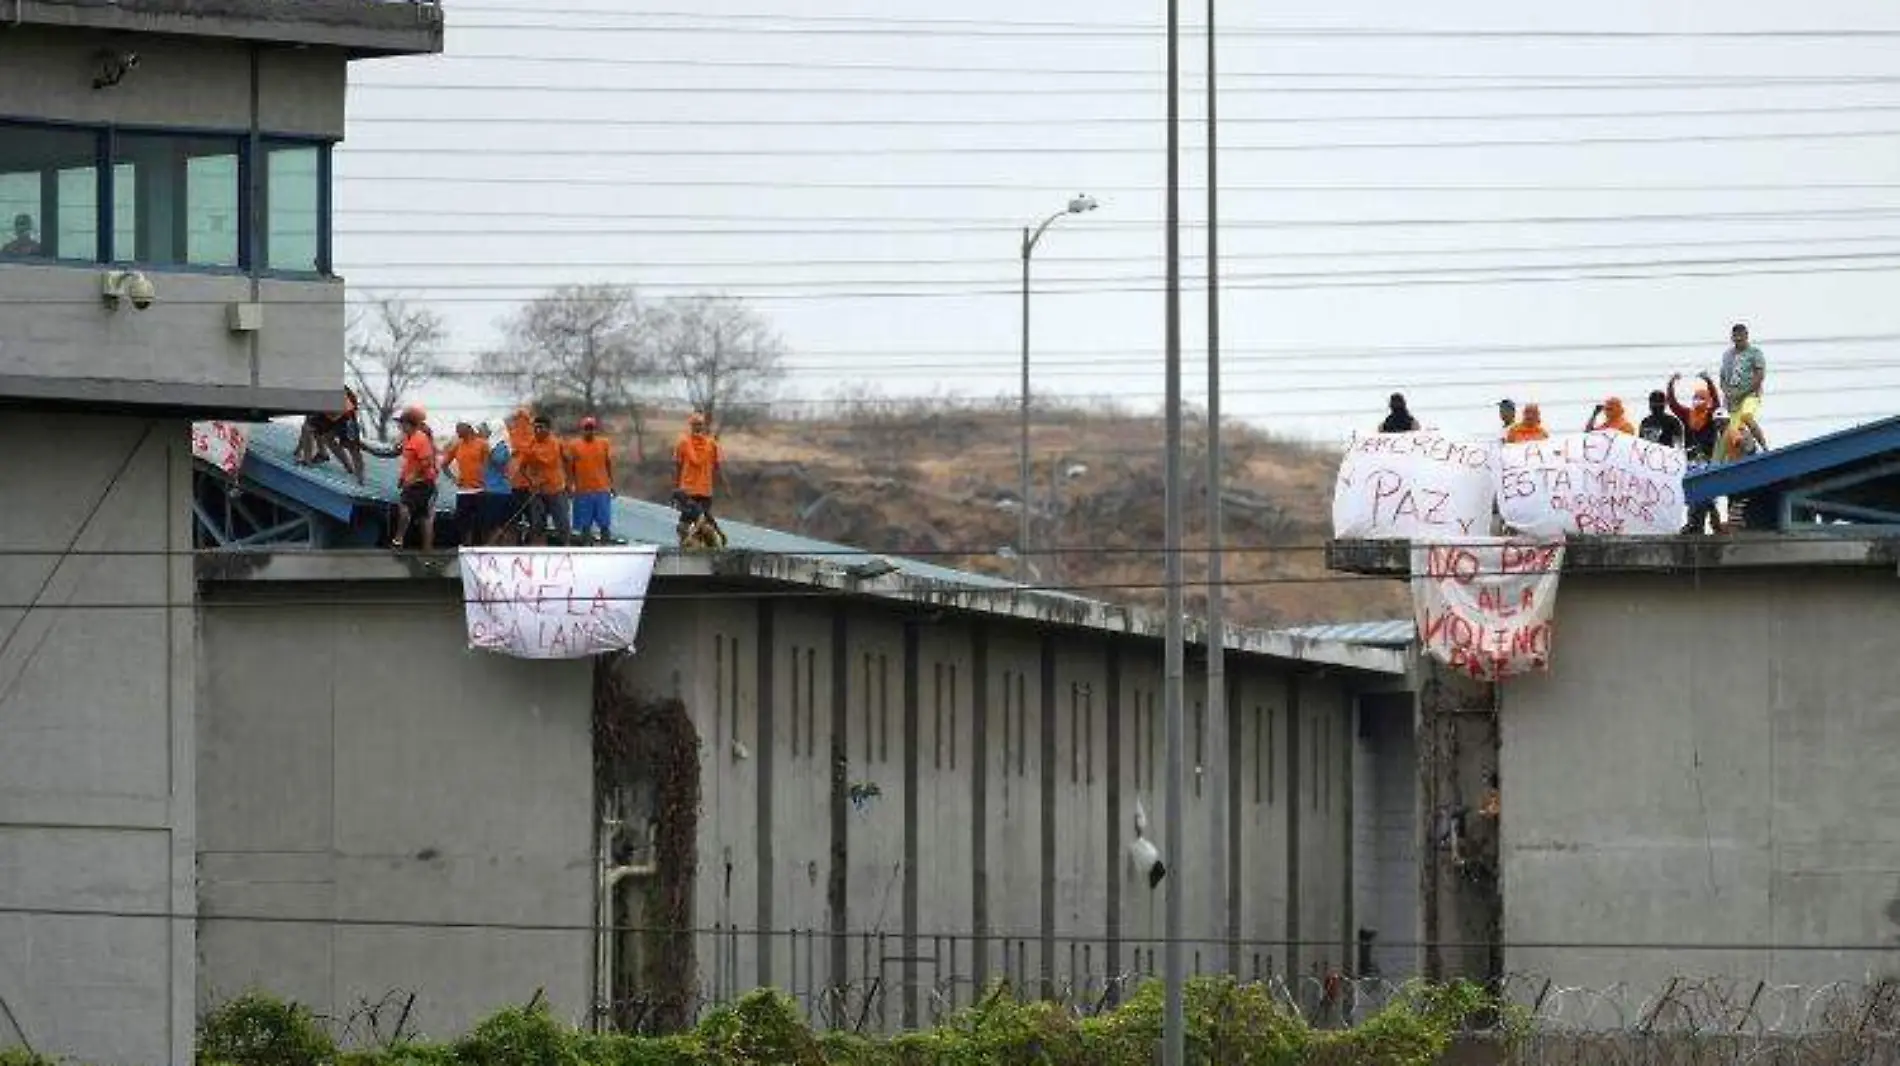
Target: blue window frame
{"type": "Point", "coordinates": [192, 199]}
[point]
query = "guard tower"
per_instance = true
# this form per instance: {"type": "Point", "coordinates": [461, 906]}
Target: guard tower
{"type": "Point", "coordinates": [165, 209]}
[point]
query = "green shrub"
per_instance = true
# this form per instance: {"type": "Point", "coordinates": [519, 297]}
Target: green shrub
{"type": "Point", "coordinates": [19, 1056]}
{"type": "Point", "coordinates": [762, 1029]}
{"type": "Point", "coordinates": [259, 1030]}
{"type": "Point", "coordinates": [521, 1036]}
{"type": "Point", "coordinates": [1228, 1024]}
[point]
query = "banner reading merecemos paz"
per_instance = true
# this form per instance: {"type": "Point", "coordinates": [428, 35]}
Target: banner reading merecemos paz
{"type": "Point", "coordinates": [1414, 486]}
{"type": "Point", "coordinates": [1593, 484]}
{"type": "Point", "coordinates": [555, 603]}
{"type": "Point", "coordinates": [1485, 606]}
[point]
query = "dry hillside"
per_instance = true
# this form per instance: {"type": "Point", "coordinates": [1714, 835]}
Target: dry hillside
{"type": "Point", "coordinates": [939, 481]}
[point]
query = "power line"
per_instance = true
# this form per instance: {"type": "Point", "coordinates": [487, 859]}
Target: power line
{"type": "Point", "coordinates": [1394, 273]}
{"type": "Point", "coordinates": [988, 263]}
{"type": "Point", "coordinates": [696, 225]}
{"type": "Point", "coordinates": [1308, 389]}
{"type": "Point", "coordinates": [1020, 188]}
{"type": "Point", "coordinates": [1282, 354]}
{"type": "Point", "coordinates": [773, 292]}
{"type": "Point", "coordinates": [887, 26]}
{"type": "Point", "coordinates": [1131, 120]}
{"type": "Point", "coordinates": [821, 550]}
{"type": "Point", "coordinates": [1596, 372]}
{"type": "Point", "coordinates": [1557, 84]}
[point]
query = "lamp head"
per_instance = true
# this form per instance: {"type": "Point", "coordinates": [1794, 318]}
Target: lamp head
{"type": "Point", "coordinates": [1081, 204]}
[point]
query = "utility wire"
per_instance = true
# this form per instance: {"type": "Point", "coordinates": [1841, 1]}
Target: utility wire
{"type": "Point", "coordinates": [845, 552]}
{"type": "Point", "coordinates": [1282, 356]}
{"type": "Point", "coordinates": [1021, 188]}
{"type": "Point", "coordinates": [571, 122]}
{"type": "Point", "coordinates": [515, 293]}
{"type": "Point", "coordinates": [718, 225]}
{"type": "Point", "coordinates": [948, 26]}
{"type": "Point", "coordinates": [989, 263]}
{"type": "Point", "coordinates": [945, 28]}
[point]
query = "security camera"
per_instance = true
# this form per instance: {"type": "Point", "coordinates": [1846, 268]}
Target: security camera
{"type": "Point", "coordinates": [129, 286]}
{"type": "Point", "coordinates": [140, 290]}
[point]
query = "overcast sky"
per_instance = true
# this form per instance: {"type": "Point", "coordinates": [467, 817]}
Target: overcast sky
{"type": "Point", "coordinates": [861, 171]}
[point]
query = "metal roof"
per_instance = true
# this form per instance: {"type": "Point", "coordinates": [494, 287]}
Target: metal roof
{"type": "Point", "coordinates": [1395, 633]}
{"type": "Point", "coordinates": [1850, 476]}
{"type": "Point", "coordinates": [269, 459]}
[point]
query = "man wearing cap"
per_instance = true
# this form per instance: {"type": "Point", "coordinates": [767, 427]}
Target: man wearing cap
{"type": "Point", "coordinates": [542, 465]}
{"type": "Point", "coordinates": [697, 462]}
{"type": "Point", "coordinates": [416, 480]}
{"type": "Point", "coordinates": [1507, 413]}
{"type": "Point", "coordinates": [591, 469]}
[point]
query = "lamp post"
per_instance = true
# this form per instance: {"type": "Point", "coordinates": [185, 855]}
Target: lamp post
{"type": "Point", "coordinates": [1174, 1022]}
{"type": "Point", "coordinates": [1031, 236]}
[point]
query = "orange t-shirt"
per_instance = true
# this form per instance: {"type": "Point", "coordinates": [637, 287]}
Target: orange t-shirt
{"type": "Point", "coordinates": [539, 463]}
{"type": "Point", "coordinates": [591, 461]}
{"type": "Point", "coordinates": [698, 456]}
{"type": "Point", "coordinates": [520, 435]}
{"type": "Point", "coordinates": [1524, 431]}
{"type": "Point", "coordinates": [418, 458]}
{"type": "Point", "coordinates": [470, 457]}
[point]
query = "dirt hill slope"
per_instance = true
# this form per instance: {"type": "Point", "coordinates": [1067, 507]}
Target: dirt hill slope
{"type": "Point", "coordinates": [941, 482]}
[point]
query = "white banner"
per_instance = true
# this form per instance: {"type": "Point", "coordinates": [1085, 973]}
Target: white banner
{"type": "Point", "coordinates": [222, 444]}
{"type": "Point", "coordinates": [555, 603]}
{"type": "Point", "coordinates": [1404, 486]}
{"type": "Point", "coordinates": [1593, 484]}
{"type": "Point", "coordinates": [1485, 607]}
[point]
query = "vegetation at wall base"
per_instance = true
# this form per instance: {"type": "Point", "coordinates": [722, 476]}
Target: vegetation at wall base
{"type": "Point", "coordinates": [1229, 1024]}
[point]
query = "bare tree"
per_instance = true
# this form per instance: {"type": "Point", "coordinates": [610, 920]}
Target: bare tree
{"type": "Point", "coordinates": [720, 354]}
{"type": "Point", "coordinates": [578, 344]}
{"type": "Point", "coordinates": [393, 349]}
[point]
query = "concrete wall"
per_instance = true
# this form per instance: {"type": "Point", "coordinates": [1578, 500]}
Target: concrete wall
{"type": "Point", "coordinates": [58, 340]}
{"type": "Point", "coordinates": [179, 82]}
{"type": "Point", "coordinates": [97, 703]}
{"type": "Point", "coordinates": [1709, 762]}
{"type": "Point", "coordinates": [1386, 833]}
{"type": "Point", "coordinates": [359, 762]}
{"type": "Point", "coordinates": [997, 771]}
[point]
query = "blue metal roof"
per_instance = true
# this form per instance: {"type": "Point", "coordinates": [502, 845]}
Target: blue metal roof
{"type": "Point", "coordinates": [269, 461]}
{"type": "Point", "coordinates": [1780, 468]}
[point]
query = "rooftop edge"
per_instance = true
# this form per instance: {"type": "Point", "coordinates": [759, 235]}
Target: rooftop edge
{"type": "Point", "coordinates": [1747, 551]}
{"type": "Point", "coordinates": [1014, 603]}
{"type": "Point", "coordinates": [363, 27]}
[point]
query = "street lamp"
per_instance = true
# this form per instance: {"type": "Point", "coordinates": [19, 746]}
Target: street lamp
{"type": "Point", "coordinates": [1079, 205]}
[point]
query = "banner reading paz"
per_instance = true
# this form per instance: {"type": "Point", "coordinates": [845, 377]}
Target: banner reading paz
{"type": "Point", "coordinates": [1485, 607]}
{"type": "Point", "coordinates": [1414, 486]}
{"type": "Point", "coordinates": [1592, 484]}
{"type": "Point", "coordinates": [555, 603]}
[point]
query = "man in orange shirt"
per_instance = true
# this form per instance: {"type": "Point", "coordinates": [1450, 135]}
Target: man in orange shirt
{"type": "Point", "coordinates": [1609, 415]}
{"type": "Point", "coordinates": [1529, 428]}
{"type": "Point", "coordinates": [697, 463]}
{"type": "Point", "coordinates": [468, 457]}
{"type": "Point", "coordinates": [542, 464]}
{"type": "Point", "coordinates": [591, 464]}
{"type": "Point", "coordinates": [520, 430]}
{"type": "Point", "coordinates": [416, 481]}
